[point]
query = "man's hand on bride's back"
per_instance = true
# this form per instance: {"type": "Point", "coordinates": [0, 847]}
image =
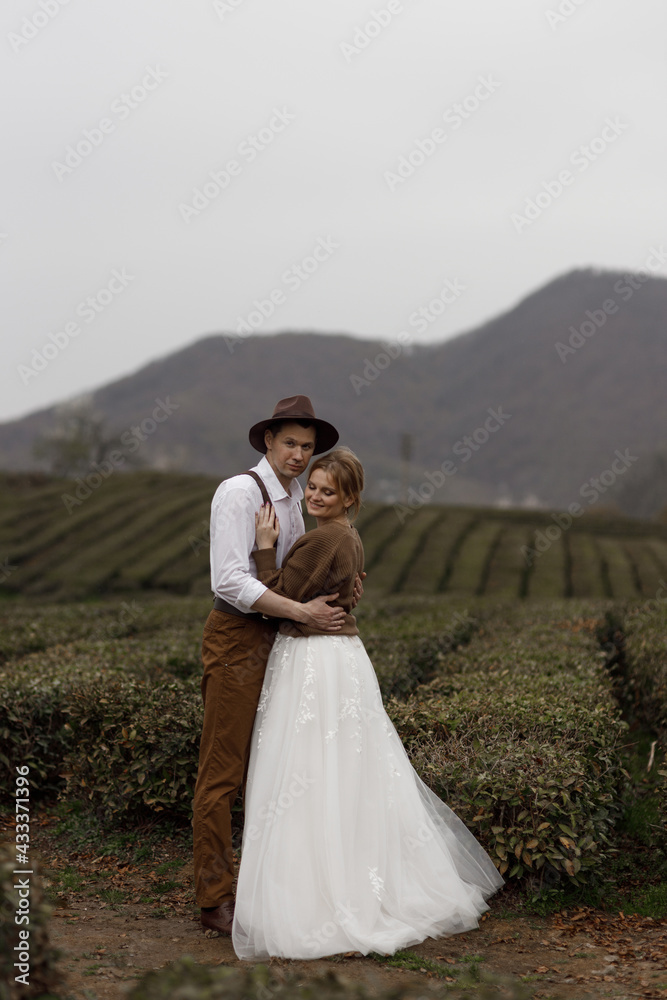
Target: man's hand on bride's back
{"type": "Point", "coordinates": [318, 614]}
{"type": "Point", "coordinates": [267, 527]}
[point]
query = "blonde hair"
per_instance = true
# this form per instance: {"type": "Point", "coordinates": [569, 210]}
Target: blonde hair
{"type": "Point", "coordinates": [347, 473]}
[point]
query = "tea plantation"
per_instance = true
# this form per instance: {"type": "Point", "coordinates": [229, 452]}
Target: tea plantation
{"type": "Point", "coordinates": [149, 531]}
{"type": "Point", "coordinates": [523, 662]}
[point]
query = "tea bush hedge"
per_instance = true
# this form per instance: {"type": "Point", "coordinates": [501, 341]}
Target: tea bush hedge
{"type": "Point", "coordinates": [36, 692]}
{"type": "Point", "coordinates": [134, 747]}
{"type": "Point", "coordinates": [521, 735]}
{"type": "Point", "coordinates": [409, 641]}
{"type": "Point", "coordinates": [517, 728]}
{"type": "Point", "coordinates": [645, 677]}
{"type": "Point", "coordinates": [531, 765]}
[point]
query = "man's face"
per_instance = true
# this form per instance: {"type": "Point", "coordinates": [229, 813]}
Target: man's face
{"type": "Point", "coordinates": [290, 449]}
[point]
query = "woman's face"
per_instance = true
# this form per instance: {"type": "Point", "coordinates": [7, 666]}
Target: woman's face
{"type": "Point", "coordinates": [323, 500]}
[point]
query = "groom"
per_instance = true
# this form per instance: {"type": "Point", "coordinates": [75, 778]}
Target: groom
{"type": "Point", "coordinates": [239, 633]}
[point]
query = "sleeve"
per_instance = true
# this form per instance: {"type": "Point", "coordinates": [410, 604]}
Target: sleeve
{"type": "Point", "coordinates": [316, 564]}
{"type": "Point", "coordinates": [232, 540]}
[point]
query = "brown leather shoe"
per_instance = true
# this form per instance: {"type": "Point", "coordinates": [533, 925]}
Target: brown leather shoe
{"type": "Point", "coordinates": [220, 919]}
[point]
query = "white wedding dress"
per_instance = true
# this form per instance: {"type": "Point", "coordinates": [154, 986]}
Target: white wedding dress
{"type": "Point", "coordinates": [344, 847]}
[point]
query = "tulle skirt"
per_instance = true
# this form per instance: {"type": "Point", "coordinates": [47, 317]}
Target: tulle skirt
{"type": "Point", "coordinates": [344, 847]}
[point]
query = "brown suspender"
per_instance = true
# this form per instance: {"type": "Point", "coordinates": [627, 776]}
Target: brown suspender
{"type": "Point", "coordinates": [218, 602]}
{"type": "Point", "coordinates": [260, 483]}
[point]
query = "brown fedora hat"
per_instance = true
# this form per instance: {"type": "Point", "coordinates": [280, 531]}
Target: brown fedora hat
{"type": "Point", "coordinates": [295, 408]}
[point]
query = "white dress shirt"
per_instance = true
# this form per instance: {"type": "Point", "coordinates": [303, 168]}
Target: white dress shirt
{"type": "Point", "coordinates": [233, 570]}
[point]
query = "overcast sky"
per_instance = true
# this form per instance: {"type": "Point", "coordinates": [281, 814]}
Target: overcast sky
{"type": "Point", "coordinates": [374, 165]}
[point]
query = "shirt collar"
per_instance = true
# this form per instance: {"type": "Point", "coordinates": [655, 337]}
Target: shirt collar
{"type": "Point", "coordinates": [274, 487]}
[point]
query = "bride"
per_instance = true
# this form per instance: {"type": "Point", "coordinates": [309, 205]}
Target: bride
{"type": "Point", "coordinates": [344, 847]}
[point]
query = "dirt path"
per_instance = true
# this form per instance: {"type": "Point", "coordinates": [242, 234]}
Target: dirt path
{"type": "Point", "coordinates": [105, 952]}
{"type": "Point", "coordinates": [114, 921]}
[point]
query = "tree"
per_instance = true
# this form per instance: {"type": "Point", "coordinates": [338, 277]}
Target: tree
{"type": "Point", "coordinates": [78, 442]}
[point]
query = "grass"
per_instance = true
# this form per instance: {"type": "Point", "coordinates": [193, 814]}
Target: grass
{"type": "Point", "coordinates": [67, 880]}
{"type": "Point", "coordinates": [652, 902]}
{"type": "Point", "coordinates": [115, 897]}
{"type": "Point", "coordinates": [80, 829]}
{"type": "Point", "coordinates": [412, 962]}
{"type": "Point", "coordinates": [162, 887]}
{"type": "Point", "coordinates": [168, 866]}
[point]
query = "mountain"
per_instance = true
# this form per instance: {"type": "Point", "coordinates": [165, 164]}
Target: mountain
{"type": "Point", "coordinates": [560, 400]}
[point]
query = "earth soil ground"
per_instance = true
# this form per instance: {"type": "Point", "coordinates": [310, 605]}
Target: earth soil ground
{"type": "Point", "coordinates": [115, 920]}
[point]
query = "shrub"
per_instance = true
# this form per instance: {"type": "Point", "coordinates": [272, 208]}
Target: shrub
{"type": "Point", "coordinates": [410, 647]}
{"type": "Point", "coordinates": [645, 676]}
{"type": "Point", "coordinates": [531, 769]}
{"type": "Point", "coordinates": [134, 746]}
{"type": "Point", "coordinates": [521, 737]}
{"type": "Point", "coordinates": [517, 728]}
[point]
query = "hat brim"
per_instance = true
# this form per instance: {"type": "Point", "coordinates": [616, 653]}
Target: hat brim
{"type": "Point", "coordinates": [327, 435]}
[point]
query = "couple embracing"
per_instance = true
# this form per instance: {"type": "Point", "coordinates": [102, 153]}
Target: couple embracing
{"type": "Point", "coordinates": [344, 847]}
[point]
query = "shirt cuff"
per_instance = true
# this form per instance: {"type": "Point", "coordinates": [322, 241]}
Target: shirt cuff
{"type": "Point", "coordinates": [251, 592]}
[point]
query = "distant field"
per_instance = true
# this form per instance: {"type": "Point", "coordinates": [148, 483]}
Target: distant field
{"type": "Point", "coordinates": [149, 531]}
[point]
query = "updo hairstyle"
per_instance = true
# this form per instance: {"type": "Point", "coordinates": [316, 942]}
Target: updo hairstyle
{"type": "Point", "coordinates": [347, 473]}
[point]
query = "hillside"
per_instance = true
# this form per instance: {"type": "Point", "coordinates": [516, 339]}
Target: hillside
{"type": "Point", "coordinates": [542, 418]}
{"type": "Point", "coordinates": [148, 531]}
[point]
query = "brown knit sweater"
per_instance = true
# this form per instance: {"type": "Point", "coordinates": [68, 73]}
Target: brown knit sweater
{"type": "Point", "coordinates": [323, 561]}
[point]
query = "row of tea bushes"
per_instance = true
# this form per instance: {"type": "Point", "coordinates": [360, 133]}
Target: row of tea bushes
{"type": "Point", "coordinates": [27, 627]}
{"type": "Point", "coordinates": [522, 737]}
{"type": "Point", "coordinates": [518, 731]}
{"type": "Point", "coordinates": [645, 668]}
{"type": "Point", "coordinates": [51, 650]}
{"type": "Point", "coordinates": [644, 674]}
{"type": "Point", "coordinates": [38, 691]}
{"type": "Point", "coordinates": [409, 640]}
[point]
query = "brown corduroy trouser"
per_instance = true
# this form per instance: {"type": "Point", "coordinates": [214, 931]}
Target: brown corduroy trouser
{"type": "Point", "coordinates": [234, 651]}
